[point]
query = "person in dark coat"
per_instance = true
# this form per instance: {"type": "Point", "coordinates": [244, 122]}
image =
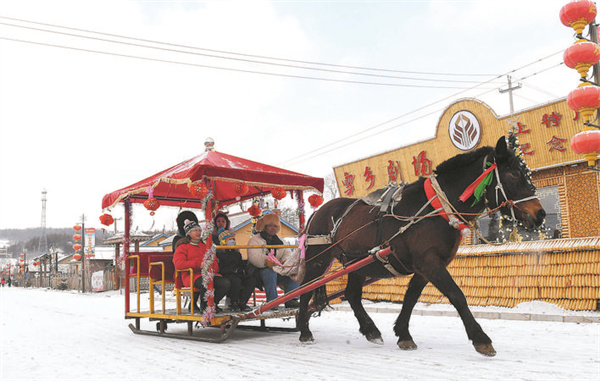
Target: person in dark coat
{"type": "Point", "coordinates": [232, 266]}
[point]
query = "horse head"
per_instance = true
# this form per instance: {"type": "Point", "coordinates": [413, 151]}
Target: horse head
{"type": "Point", "coordinates": [511, 184]}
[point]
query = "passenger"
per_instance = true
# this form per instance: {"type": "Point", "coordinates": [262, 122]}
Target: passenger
{"type": "Point", "coordinates": [268, 226]}
{"type": "Point", "coordinates": [191, 255]}
{"type": "Point", "coordinates": [234, 268]}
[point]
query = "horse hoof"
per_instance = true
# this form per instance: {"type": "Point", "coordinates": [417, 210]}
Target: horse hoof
{"type": "Point", "coordinates": [486, 349]}
{"type": "Point", "coordinates": [376, 340]}
{"type": "Point", "coordinates": [407, 345]}
{"type": "Point", "coordinates": [307, 339]}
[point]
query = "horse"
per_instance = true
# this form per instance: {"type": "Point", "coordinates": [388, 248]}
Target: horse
{"type": "Point", "coordinates": [424, 243]}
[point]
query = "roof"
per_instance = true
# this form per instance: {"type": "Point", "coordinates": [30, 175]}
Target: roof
{"type": "Point", "coordinates": [155, 238]}
{"type": "Point", "coordinates": [222, 173]}
{"type": "Point", "coordinates": [134, 236]}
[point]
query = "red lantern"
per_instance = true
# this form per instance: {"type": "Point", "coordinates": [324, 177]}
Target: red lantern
{"type": "Point", "coordinates": [21, 255]}
{"type": "Point", "coordinates": [581, 56]}
{"type": "Point", "coordinates": [76, 237]}
{"type": "Point", "coordinates": [199, 190]}
{"type": "Point", "coordinates": [77, 256]}
{"type": "Point", "coordinates": [315, 200]}
{"type": "Point", "coordinates": [106, 219]}
{"type": "Point", "coordinates": [585, 99]}
{"type": "Point", "coordinates": [151, 204]}
{"type": "Point", "coordinates": [278, 193]}
{"type": "Point", "coordinates": [240, 188]}
{"type": "Point", "coordinates": [254, 210]}
{"type": "Point", "coordinates": [587, 143]}
{"type": "Point", "coordinates": [76, 227]}
{"type": "Point", "coordinates": [578, 14]}
{"type": "Point", "coordinates": [76, 247]}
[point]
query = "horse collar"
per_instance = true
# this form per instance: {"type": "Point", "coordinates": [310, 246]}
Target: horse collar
{"type": "Point", "coordinates": [433, 192]}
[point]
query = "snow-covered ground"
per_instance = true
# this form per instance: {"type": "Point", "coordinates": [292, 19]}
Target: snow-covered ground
{"type": "Point", "coordinates": [48, 334]}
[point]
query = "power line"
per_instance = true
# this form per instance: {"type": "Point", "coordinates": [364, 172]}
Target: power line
{"type": "Point", "coordinates": [238, 59]}
{"type": "Point", "coordinates": [247, 55]}
{"type": "Point", "coordinates": [228, 69]}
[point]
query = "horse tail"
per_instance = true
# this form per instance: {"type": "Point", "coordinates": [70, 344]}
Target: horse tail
{"type": "Point", "coordinates": [320, 299]}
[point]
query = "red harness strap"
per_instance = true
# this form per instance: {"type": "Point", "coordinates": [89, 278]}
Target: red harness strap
{"type": "Point", "coordinates": [435, 202]}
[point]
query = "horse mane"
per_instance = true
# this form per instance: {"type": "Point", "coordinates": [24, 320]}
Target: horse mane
{"type": "Point", "coordinates": [458, 162]}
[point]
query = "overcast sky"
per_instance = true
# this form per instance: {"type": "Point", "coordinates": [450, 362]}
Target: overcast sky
{"type": "Point", "coordinates": [96, 95]}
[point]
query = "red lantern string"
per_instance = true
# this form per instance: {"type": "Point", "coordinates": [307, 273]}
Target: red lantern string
{"type": "Point", "coordinates": [315, 200]}
{"type": "Point", "coordinates": [106, 219]}
{"type": "Point", "coordinates": [254, 210]}
{"type": "Point", "coordinates": [278, 193]}
{"type": "Point", "coordinates": [151, 204]}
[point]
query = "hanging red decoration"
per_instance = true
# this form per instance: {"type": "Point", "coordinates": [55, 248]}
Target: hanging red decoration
{"type": "Point", "coordinates": [585, 99]}
{"type": "Point", "coordinates": [254, 211]}
{"type": "Point", "coordinates": [151, 204]}
{"type": "Point", "coordinates": [77, 228]}
{"type": "Point", "coordinates": [587, 143]}
{"type": "Point", "coordinates": [578, 14]}
{"type": "Point", "coordinates": [199, 190]}
{"type": "Point", "coordinates": [240, 188]}
{"type": "Point", "coordinates": [77, 247]}
{"type": "Point", "coordinates": [76, 237]}
{"type": "Point", "coordinates": [106, 219]}
{"type": "Point", "coordinates": [581, 56]}
{"type": "Point", "coordinates": [315, 200]}
{"type": "Point", "coordinates": [77, 256]}
{"type": "Point", "coordinates": [21, 255]}
{"type": "Point", "coordinates": [278, 193]}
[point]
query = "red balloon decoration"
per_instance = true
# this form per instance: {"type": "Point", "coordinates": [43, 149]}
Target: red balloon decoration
{"type": "Point", "coordinates": [587, 143]}
{"type": "Point", "coordinates": [151, 204]}
{"type": "Point", "coordinates": [278, 193]}
{"type": "Point", "coordinates": [199, 190]}
{"type": "Point", "coordinates": [254, 211]}
{"type": "Point", "coordinates": [578, 14]}
{"type": "Point", "coordinates": [581, 56]}
{"type": "Point", "coordinates": [315, 200]}
{"type": "Point", "coordinates": [240, 188]}
{"type": "Point", "coordinates": [585, 99]}
{"type": "Point", "coordinates": [106, 219]}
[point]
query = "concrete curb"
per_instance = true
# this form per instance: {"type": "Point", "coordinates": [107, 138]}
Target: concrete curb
{"type": "Point", "coordinates": [486, 314]}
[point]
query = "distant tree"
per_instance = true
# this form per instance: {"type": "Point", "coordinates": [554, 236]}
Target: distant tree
{"type": "Point", "coordinates": [330, 190]}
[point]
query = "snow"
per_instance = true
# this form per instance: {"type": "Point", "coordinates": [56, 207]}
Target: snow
{"type": "Point", "coordinates": [49, 334]}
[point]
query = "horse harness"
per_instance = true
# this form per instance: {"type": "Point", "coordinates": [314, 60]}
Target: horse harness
{"type": "Point", "coordinates": [387, 197]}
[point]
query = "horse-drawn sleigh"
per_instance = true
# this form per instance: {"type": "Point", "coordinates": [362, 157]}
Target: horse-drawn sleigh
{"type": "Point", "coordinates": [401, 230]}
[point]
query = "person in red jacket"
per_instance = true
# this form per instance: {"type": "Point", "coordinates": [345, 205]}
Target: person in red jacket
{"type": "Point", "coordinates": [191, 255]}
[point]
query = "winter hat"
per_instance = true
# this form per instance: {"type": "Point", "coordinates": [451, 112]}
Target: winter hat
{"type": "Point", "coordinates": [226, 237]}
{"type": "Point", "coordinates": [191, 225]}
{"type": "Point", "coordinates": [268, 219]}
{"type": "Point", "coordinates": [181, 218]}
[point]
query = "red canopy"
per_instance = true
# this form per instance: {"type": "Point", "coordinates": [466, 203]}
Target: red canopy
{"type": "Point", "coordinates": [220, 172]}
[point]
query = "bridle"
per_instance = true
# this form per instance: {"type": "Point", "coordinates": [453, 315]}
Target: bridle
{"type": "Point", "coordinates": [500, 187]}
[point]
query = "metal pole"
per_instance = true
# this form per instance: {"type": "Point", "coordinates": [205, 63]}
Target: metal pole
{"type": "Point", "coordinates": [83, 253]}
{"type": "Point", "coordinates": [596, 67]}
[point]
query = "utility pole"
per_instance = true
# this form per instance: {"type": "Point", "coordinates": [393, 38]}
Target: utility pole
{"type": "Point", "coordinates": [43, 244]}
{"type": "Point", "coordinates": [510, 93]}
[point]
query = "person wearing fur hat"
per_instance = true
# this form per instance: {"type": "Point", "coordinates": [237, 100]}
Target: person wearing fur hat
{"type": "Point", "coordinates": [181, 237]}
{"type": "Point", "coordinates": [268, 226]}
{"type": "Point", "coordinates": [191, 255]}
{"type": "Point", "coordinates": [234, 268]}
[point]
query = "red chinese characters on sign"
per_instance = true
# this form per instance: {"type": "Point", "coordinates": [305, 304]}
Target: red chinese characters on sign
{"type": "Point", "coordinates": [576, 115]}
{"type": "Point", "coordinates": [369, 178]}
{"type": "Point", "coordinates": [556, 144]}
{"type": "Point", "coordinates": [521, 129]}
{"type": "Point", "coordinates": [526, 148]}
{"type": "Point", "coordinates": [422, 165]}
{"type": "Point", "coordinates": [552, 120]}
{"type": "Point", "coordinates": [394, 171]}
{"type": "Point", "coordinates": [348, 183]}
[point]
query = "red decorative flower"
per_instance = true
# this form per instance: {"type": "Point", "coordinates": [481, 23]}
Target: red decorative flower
{"type": "Point", "coordinates": [199, 190]}
{"type": "Point", "coordinates": [315, 200]}
{"type": "Point", "coordinates": [106, 219]}
{"type": "Point", "coordinates": [278, 193]}
{"type": "Point", "coordinates": [240, 188]}
{"type": "Point", "coordinates": [254, 211]}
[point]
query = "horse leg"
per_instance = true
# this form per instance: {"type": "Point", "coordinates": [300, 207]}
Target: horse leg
{"type": "Point", "coordinates": [442, 280]}
{"type": "Point", "coordinates": [415, 287]}
{"type": "Point", "coordinates": [306, 335]}
{"type": "Point", "coordinates": [354, 296]}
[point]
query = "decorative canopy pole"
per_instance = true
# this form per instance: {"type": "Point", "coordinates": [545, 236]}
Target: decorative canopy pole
{"type": "Point", "coordinates": [582, 55]}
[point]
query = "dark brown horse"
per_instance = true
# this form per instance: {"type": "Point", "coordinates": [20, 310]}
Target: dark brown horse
{"type": "Point", "coordinates": [427, 246]}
